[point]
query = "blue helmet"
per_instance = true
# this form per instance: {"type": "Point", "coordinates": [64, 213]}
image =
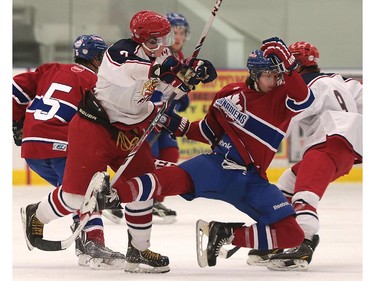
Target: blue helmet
{"type": "Point", "coordinates": [257, 63]}
{"type": "Point", "coordinates": [178, 20]}
{"type": "Point", "coordinates": [87, 47]}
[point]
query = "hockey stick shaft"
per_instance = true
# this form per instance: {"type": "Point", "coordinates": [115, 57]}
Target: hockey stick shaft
{"type": "Point", "coordinates": [160, 113]}
{"type": "Point", "coordinates": [199, 45]}
{"type": "Point", "coordinates": [207, 28]}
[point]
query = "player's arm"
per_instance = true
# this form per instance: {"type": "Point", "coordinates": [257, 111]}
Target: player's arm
{"type": "Point", "coordinates": [356, 88]}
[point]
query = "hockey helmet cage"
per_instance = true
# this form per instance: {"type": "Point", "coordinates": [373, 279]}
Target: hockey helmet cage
{"type": "Point", "coordinates": [147, 24]}
{"type": "Point", "coordinates": [178, 20]}
{"type": "Point", "coordinates": [257, 63]}
{"type": "Point", "coordinates": [305, 53]}
{"type": "Point", "coordinates": [88, 47]}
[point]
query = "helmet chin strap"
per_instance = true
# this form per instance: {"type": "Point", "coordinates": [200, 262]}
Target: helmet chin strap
{"type": "Point", "coordinates": [152, 51]}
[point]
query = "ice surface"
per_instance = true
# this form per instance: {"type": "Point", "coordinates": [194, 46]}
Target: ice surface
{"type": "Point", "coordinates": [338, 256]}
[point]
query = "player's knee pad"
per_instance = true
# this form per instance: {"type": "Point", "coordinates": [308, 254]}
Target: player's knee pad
{"type": "Point", "coordinates": [305, 204]}
{"type": "Point", "coordinates": [286, 183]}
{"type": "Point", "coordinates": [142, 189]}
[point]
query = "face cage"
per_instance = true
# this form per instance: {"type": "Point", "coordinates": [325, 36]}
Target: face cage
{"type": "Point", "coordinates": [255, 74]}
{"type": "Point", "coordinates": [166, 40]}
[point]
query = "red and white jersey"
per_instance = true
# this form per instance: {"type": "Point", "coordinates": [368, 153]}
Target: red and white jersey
{"type": "Point", "coordinates": [48, 98]}
{"type": "Point", "coordinates": [249, 124]}
{"type": "Point", "coordinates": [124, 88]}
{"type": "Point", "coordinates": [336, 111]}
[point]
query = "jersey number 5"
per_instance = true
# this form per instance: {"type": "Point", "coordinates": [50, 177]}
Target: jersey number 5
{"type": "Point", "coordinates": [48, 100]}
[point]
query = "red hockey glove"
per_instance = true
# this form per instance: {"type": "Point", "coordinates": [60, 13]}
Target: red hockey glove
{"type": "Point", "coordinates": [275, 49]}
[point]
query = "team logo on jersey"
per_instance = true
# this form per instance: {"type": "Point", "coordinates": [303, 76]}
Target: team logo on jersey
{"type": "Point", "coordinates": [124, 143]}
{"type": "Point", "coordinates": [148, 89]}
{"type": "Point", "coordinates": [59, 146]}
{"type": "Point", "coordinates": [77, 68]}
{"type": "Point", "coordinates": [232, 108]}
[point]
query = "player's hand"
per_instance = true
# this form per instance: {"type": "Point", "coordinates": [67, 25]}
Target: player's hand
{"type": "Point", "coordinates": [275, 49]}
{"type": "Point", "coordinates": [170, 73]}
{"type": "Point", "coordinates": [201, 71]}
{"type": "Point", "coordinates": [17, 129]}
{"type": "Point", "coordinates": [174, 123]}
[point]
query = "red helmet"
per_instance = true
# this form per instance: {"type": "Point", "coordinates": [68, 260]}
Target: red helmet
{"type": "Point", "coordinates": [146, 24]}
{"type": "Point", "coordinates": [306, 54]}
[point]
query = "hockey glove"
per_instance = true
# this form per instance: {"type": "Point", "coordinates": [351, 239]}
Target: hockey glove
{"type": "Point", "coordinates": [275, 49]}
{"type": "Point", "coordinates": [17, 129]}
{"type": "Point", "coordinates": [175, 124]}
{"type": "Point", "coordinates": [169, 72]}
{"type": "Point", "coordinates": [202, 71]}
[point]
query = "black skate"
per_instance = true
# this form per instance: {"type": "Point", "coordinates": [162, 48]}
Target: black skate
{"type": "Point", "coordinates": [261, 257]}
{"type": "Point", "coordinates": [33, 228]}
{"type": "Point", "coordinates": [107, 197]}
{"type": "Point", "coordinates": [145, 261]}
{"type": "Point", "coordinates": [114, 215]}
{"type": "Point", "coordinates": [295, 259]}
{"type": "Point", "coordinates": [101, 257]}
{"type": "Point", "coordinates": [163, 215]}
{"type": "Point", "coordinates": [83, 259]}
{"type": "Point", "coordinates": [219, 234]}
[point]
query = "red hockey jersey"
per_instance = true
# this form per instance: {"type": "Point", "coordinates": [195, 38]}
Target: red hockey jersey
{"type": "Point", "coordinates": [252, 122]}
{"type": "Point", "coordinates": [48, 98]}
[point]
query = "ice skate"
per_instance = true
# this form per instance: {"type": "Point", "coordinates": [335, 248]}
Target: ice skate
{"type": "Point", "coordinates": [219, 234]}
{"type": "Point", "coordinates": [101, 257]}
{"type": "Point", "coordinates": [295, 259]}
{"type": "Point", "coordinates": [145, 261]}
{"type": "Point", "coordinates": [261, 257]}
{"type": "Point", "coordinates": [114, 215]}
{"type": "Point", "coordinates": [163, 215]}
{"type": "Point", "coordinates": [32, 227]}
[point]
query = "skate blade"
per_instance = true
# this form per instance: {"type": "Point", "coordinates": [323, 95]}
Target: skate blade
{"type": "Point", "coordinates": [202, 229]}
{"type": "Point", "coordinates": [83, 260]}
{"type": "Point", "coordinates": [115, 219]}
{"type": "Point", "coordinates": [164, 220]}
{"type": "Point", "coordinates": [256, 261]}
{"type": "Point", "coordinates": [287, 265]}
{"type": "Point", "coordinates": [106, 264]}
{"type": "Point", "coordinates": [23, 219]}
{"type": "Point", "coordinates": [142, 268]}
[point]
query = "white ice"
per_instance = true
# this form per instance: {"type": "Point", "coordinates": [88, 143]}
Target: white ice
{"type": "Point", "coordinates": [338, 256]}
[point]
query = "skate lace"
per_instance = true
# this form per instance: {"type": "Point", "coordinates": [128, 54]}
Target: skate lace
{"type": "Point", "coordinates": [150, 255]}
{"type": "Point", "coordinates": [220, 244]}
{"type": "Point", "coordinates": [37, 227]}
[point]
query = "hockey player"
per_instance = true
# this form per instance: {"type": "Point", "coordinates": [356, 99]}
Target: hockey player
{"type": "Point", "coordinates": [108, 125]}
{"type": "Point", "coordinates": [244, 125]}
{"type": "Point", "coordinates": [164, 146]}
{"type": "Point", "coordinates": [44, 102]}
{"type": "Point", "coordinates": [332, 127]}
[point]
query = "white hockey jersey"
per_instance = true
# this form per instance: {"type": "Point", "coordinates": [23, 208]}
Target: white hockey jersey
{"type": "Point", "coordinates": [337, 110]}
{"type": "Point", "coordinates": [123, 86]}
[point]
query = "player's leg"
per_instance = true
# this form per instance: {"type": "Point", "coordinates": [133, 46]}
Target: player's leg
{"type": "Point", "coordinates": [88, 155]}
